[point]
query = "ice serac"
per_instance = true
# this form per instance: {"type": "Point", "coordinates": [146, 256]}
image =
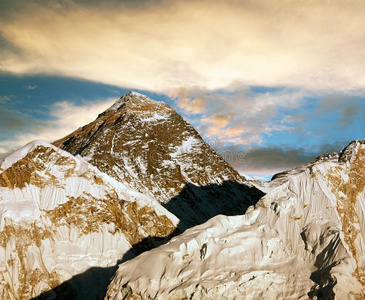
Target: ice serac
{"type": "Point", "coordinates": [146, 144]}
{"type": "Point", "coordinates": [64, 225]}
{"type": "Point", "coordinates": [304, 240]}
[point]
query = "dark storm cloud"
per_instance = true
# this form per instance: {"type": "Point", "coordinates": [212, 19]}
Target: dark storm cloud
{"type": "Point", "coordinates": [12, 121]}
{"type": "Point", "coordinates": [347, 106]}
{"type": "Point", "coordinates": [272, 159]}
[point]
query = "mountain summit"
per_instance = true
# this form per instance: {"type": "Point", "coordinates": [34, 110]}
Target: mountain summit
{"type": "Point", "coordinates": [150, 147]}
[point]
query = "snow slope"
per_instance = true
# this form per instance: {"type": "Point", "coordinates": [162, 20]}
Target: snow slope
{"type": "Point", "coordinates": [60, 216]}
{"type": "Point", "coordinates": [304, 240]}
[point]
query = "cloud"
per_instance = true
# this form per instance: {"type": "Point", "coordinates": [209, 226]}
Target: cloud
{"type": "Point", "coordinates": [14, 121]}
{"type": "Point", "coordinates": [240, 122]}
{"type": "Point", "coordinates": [30, 87]}
{"type": "Point", "coordinates": [219, 120]}
{"type": "Point", "coordinates": [163, 45]}
{"type": "Point", "coordinates": [241, 116]}
{"type": "Point", "coordinates": [274, 159]}
{"type": "Point", "coordinates": [65, 117]}
{"type": "Point", "coordinates": [4, 99]}
{"type": "Point", "coordinates": [196, 105]}
{"type": "Point", "coordinates": [329, 114]}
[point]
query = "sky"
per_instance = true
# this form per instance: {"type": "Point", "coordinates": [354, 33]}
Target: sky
{"type": "Point", "coordinates": [269, 84]}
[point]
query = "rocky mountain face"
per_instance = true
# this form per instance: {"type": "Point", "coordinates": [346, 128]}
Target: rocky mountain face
{"type": "Point", "coordinates": [147, 145]}
{"type": "Point", "coordinates": [64, 225]}
{"type": "Point", "coordinates": [304, 240]}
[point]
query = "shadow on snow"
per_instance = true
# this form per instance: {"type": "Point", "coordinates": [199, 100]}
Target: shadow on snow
{"type": "Point", "coordinates": [193, 206]}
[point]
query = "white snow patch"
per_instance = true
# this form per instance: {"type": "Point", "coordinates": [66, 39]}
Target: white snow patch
{"type": "Point", "coordinates": [269, 253]}
{"type": "Point", "coordinates": [186, 146]}
{"type": "Point", "coordinates": [133, 93]}
{"type": "Point", "coordinates": [155, 117]}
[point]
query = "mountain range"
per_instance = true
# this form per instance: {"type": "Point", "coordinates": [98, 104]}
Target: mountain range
{"type": "Point", "coordinates": [302, 240]}
{"type": "Point", "coordinates": [141, 177]}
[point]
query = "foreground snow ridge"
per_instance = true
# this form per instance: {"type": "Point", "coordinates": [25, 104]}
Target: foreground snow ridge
{"type": "Point", "coordinates": [61, 217]}
{"type": "Point", "coordinates": [303, 240]}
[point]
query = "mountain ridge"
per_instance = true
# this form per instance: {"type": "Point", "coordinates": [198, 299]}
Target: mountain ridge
{"type": "Point", "coordinates": [305, 239]}
{"type": "Point", "coordinates": [60, 216]}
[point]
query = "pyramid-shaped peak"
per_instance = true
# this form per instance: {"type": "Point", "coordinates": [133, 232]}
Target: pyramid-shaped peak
{"type": "Point", "coordinates": [136, 94]}
{"type": "Point", "coordinates": [135, 98]}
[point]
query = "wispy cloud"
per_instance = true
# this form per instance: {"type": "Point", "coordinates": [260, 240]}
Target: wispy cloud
{"type": "Point", "coordinates": [239, 124]}
{"type": "Point", "coordinates": [65, 117]}
{"type": "Point", "coordinates": [330, 114]}
{"type": "Point", "coordinates": [241, 116]}
{"type": "Point", "coordinates": [30, 87]}
{"type": "Point", "coordinates": [162, 45]}
{"type": "Point", "coordinates": [4, 99]}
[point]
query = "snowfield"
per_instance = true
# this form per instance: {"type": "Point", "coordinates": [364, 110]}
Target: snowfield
{"type": "Point", "coordinates": [295, 244]}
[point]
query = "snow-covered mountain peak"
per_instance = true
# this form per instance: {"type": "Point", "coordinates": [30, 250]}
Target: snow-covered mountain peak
{"type": "Point", "coordinates": [13, 157]}
{"type": "Point", "coordinates": [347, 155]}
{"type": "Point", "coordinates": [146, 144]}
{"type": "Point", "coordinates": [139, 106]}
{"type": "Point", "coordinates": [135, 98]}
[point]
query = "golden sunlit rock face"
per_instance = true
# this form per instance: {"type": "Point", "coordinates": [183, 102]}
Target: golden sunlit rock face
{"type": "Point", "coordinates": [349, 192]}
{"type": "Point", "coordinates": [146, 136]}
{"type": "Point", "coordinates": [146, 144]}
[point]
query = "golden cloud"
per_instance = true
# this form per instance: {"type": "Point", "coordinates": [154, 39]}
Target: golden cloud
{"type": "Point", "coordinates": [219, 120]}
{"type": "Point", "coordinates": [196, 106]}
{"type": "Point", "coordinates": [169, 44]}
{"type": "Point", "coordinates": [240, 116]}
